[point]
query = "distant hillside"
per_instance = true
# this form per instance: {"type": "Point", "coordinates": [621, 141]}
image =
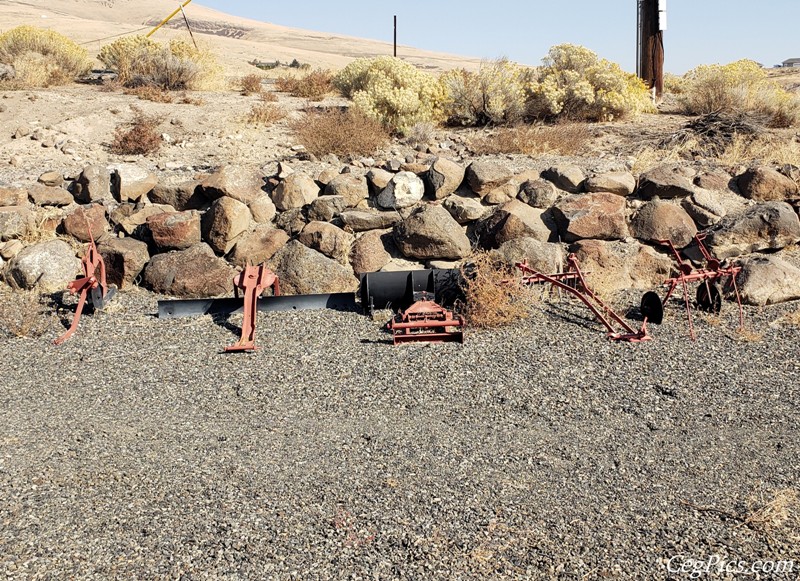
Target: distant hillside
{"type": "Point", "coordinates": [236, 40]}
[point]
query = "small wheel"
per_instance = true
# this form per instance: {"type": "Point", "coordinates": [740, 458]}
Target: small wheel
{"type": "Point", "coordinates": [651, 308]}
{"type": "Point", "coordinates": [709, 299]}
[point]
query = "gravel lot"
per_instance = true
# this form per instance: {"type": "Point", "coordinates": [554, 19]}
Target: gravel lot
{"type": "Point", "coordinates": [538, 451]}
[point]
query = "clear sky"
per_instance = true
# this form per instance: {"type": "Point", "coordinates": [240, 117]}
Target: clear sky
{"type": "Point", "coordinates": [699, 31]}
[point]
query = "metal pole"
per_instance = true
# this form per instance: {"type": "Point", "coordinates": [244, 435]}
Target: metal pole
{"type": "Point", "coordinates": [168, 18]}
{"type": "Point", "coordinates": [395, 35]}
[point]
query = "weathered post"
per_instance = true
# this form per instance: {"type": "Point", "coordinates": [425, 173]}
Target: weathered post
{"type": "Point", "coordinates": [395, 35]}
{"type": "Point", "coordinates": [652, 22]}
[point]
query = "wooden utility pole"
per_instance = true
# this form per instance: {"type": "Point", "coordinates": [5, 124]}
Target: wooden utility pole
{"type": "Point", "coordinates": [652, 21]}
{"type": "Point", "coordinates": [395, 35]}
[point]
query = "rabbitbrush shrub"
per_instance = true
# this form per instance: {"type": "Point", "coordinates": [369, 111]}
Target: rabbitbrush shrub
{"type": "Point", "coordinates": [42, 57]}
{"type": "Point", "coordinates": [138, 61]}
{"type": "Point", "coordinates": [741, 86]}
{"type": "Point", "coordinates": [392, 91]}
{"type": "Point", "coordinates": [575, 84]}
{"type": "Point", "coordinates": [494, 95]}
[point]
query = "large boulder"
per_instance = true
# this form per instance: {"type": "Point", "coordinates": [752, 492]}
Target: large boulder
{"type": "Point", "coordinates": [598, 215]}
{"type": "Point", "coordinates": [483, 176]}
{"type": "Point", "coordinates": [665, 181]}
{"type": "Point", "coordinates": [404, 190]}
{"type": "Point", "coordinates": [125, 258]}
{"type": "Point", "coordinates": [617, 266]}
{"type": "Point", "coordinates": [306, 271]}
{"type": "Point", "coordinates": [93, 185]}
{"type": "Point", "coordinates": [767, 280]}
{"type": "Point", "coordinates": [546, 257]}
{"type": "Point", "coordinates": [259, 245]}
{"type": "Point", "coordinates": [352, 188]}
{"type": "Point", "coordinates": [362, 220]}
{"type": "Point", "coordinates": [765, 184]}
{"type": "Point", "coordinates": [465, 209]}
{"type": "Point", "coordinates": [240, 183]}
{"type": "Point", "coordinates": [443, 178]}
{"type": "Point", "coordinates": [378, 179]}
{"type": "Point", "coordinates": [621, 183]}
{"type": "Point", "coordinates": [369, 252]}
{"type": "Point", "coordinates": [132, 218]}
{"type": "Point", "coordinates": [566, 177]}
{"type": "Point", "coordinates": [328, 239]}
{"type": "Point", "coordinates": [43, 195]}
{"type": "Point", "coordinates": [224, 222]}
{"type": "Point", "coordinates": [86, 223]}
{"type": "Point", "coordinates": [292, 221]}
{"type": "Point", "coordinates": [296, 191]}
{"type": "Point", "coordinates": [657, 221]}
{"type": "Point", "coordinates": [514, 220]}
{"type": "Point", "coordinates": [765, 226]}
{"type": "Point", "coordinates": [704, 208]}
{"type": "Point", "coordinates": [47, 266]}
{"type": "Point", "coordinates": [15, 222]}
{"type": "Point", "coordinates": [130, 182]}
{"type": "Point", "coordinates": [430, 232]}
{"type": "Point", "coordinates": [175, 231]}
{"type": "Point", "coordinates": [192, 273]}
{"type": "Point", "coordinates": [179, 193]}
{"type": "Point", "coordinates": [262, 209]}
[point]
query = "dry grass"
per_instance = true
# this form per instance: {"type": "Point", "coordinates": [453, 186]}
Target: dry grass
{"type": "Point", "coordinates": [649, 157]}
{"type": "Point", "coordinates": [421, 133]}
{"type": "Point", "coordinates": [186, 99]}
{"type": "Point", "coordinates": [150, 93]}
{"type": "Point", "coordinates": [765, 149]}
{"type": "Point", "coordinates": [264, 114]}
{"type": "Point", "coordinates": [494, 295]}
{"type": "Point", "coordinates": [251, 85]}
{"type": "Point", "coordinates": [23, 314]}
{"type": "Point", "coordinates": [340, 132]}
{"type": "Point", "coordinates": [140, 137]}
{"type": "Point", "coordinates": [44, 226]}
{"type": "Point", "coordinates": [772, 514]}
{"type": "Point", "coordinates": [745, 335]}
{"type": "Point", "coordinates": [314, 86]}
{"type": "Point", "coordinates": [792, 319]}
{"type": "Point", "coordinates": [268, 97]}
{"type": "Point", "coordinates": [561, 139]}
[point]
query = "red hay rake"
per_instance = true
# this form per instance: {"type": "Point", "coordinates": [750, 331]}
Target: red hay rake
{"type": "Point", "coordinates": [574, 282]}
{"type": "Point", "coordinates": [426, 321]}
{"type": "Point", "coordinates": [252, 280]}
{"type": "Point", "coordinates": [708, 297]}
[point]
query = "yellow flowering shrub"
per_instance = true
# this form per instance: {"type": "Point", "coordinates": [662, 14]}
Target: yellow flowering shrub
{"type": "Point", "coordinates": [42, 57]}
{"type": "Point", "coordinates": [740, 86]}
{"type": "Point", "coordinates": [138, 61]}
{"type": "Point", "coordinates": [575, 83]}
{"type": "Point", "coordinates": [392, 91]}
{"type": "Point", "coordinates": [495, 95]}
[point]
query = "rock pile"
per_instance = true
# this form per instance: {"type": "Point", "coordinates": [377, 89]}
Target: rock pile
{"type": "Point", "coordinates": [318, 230]}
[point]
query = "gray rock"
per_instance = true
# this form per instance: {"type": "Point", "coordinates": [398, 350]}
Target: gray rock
{"type": "Point", "coordinates": [233, 181]}
{"type": "Point", "coordinates": [13, 197]}
{"type": "Point", "coordinates": [93, 185]}
{"type": "Point", "coordinates": [262, 209]}
{"type": "Point", "coordinates": [765, 226]}
{"type": "Point", "coordinates": [485, 175]}
{"type": "Point", "coordinates": [258, 246]}
{"type": "Point", "coordinates": [51, 178]}
{"type": "Point", "coordinates": [615, 266]}
{"type": "Point", "coordinates": [125, 258]}
{"type": "Point", "coordinates": [369, 252]}
{"type": "Point", "coordinates": [86, 223]}
{"type": "Point", "coordinates": [175, 230]}
{"type": "Point", "coordinates": [404, 190]}
{"type": "Point", "coordinates": [295, 191]}
{"type": "Point", "coordinates": [10, 249]}
{"type": "Point", "coordinates": [42, 195]}
{"type": "Point", "coordinates": [665, 181]}
{"type": "Point", "coordinates": [291, 221]}
{"type": "Point", "coordinates": [430, 232]}
{"type": "Point", "coordinates": [768, 280]}
{"type": "Point", "coordinates": [362, 220]}
{"type": "Point", "coordinates": [566, 177]}
{"type": "Point", "coordinates": [620, 183]}
{"type": "Point", "coordinates": [192, 273]}
{"type": "Point", "coordinates": [132, 221]}
{"type": "Point", "coordinates": [378, 179]}
{"type": "Point", "coordinates": [181, 194]}
{"type": "Point", "coordinates": [224, 222]}
{"type": "Point", "coordinates": [657, 220]}
{"type": "Point", "coordinates": [131, 182]}
{"type": "Point", "coordinates": [546, 257]}
{"type": "Point", "coordinates": [443, 178]}
{"type": "Point", "coordinates": [704, 208]}
{"type": "Point", "coordinates": [7, 72]}
{"type": "Point", "coordinates": [306, 271]}
{"type": "Point", "coordinates": [538, 193]}
{"type": "Point", "coordinates": [47, 266]}
{"type": "Point", "coordinates": [465, 209]}
{"type": "Point", "coordinates": [15, 222]}
{"type": "Point", "coordinates": [512, 220]}
{"type": "Point", "coordinates": [326, 208]}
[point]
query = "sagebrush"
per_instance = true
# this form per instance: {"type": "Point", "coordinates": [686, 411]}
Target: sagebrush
{"type": "Point", "coordinates": [176, 65]}
{"type": "Point", "coordinates": [392, 91]}
{"type": "Point", "coordinates": [341, 133]}
{"type": "Point", "coordinates": [251, 84]}
{"type": "Point", "coordinates": [559, 139]}
{"type": "Point", "coordinates": [140, 137]}
{"type": "Point", "coordinates": [264, 114]}
{"type": "Point", "coordinates": [42, 58]}
{"type": "Point", "coordinates": [314, 86]}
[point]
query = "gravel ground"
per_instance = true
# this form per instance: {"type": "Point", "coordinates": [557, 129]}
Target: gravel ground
{"type": "Point", "coordinates": [537, 451]}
